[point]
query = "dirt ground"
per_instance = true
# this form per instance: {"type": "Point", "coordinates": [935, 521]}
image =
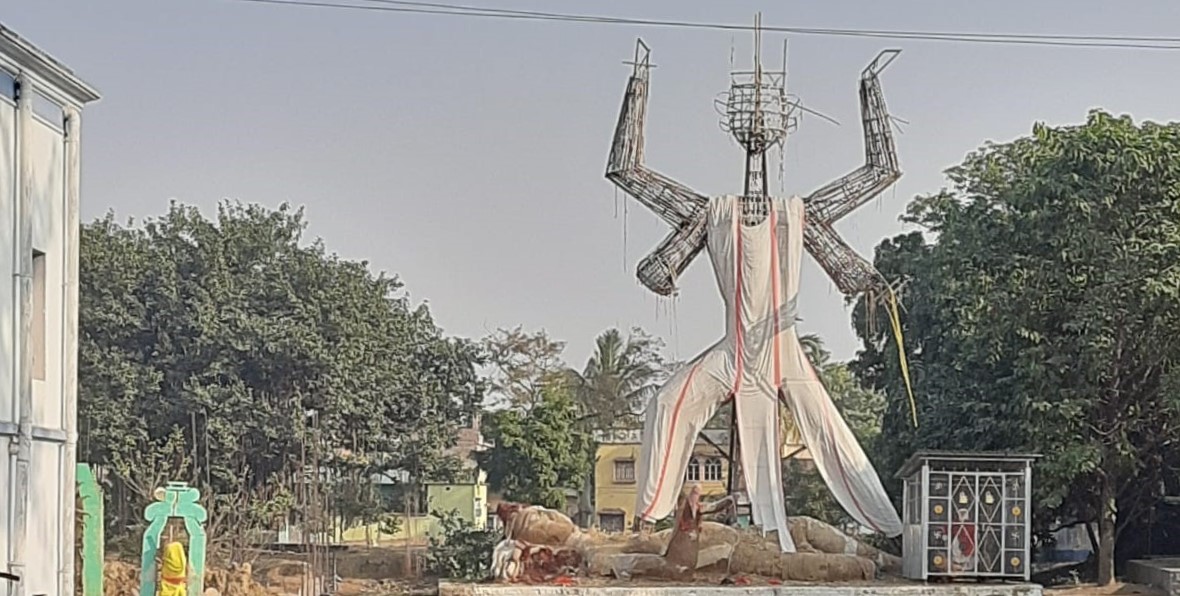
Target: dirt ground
{"type": "Point", "coordinates": [361, 571]}
{"type": "Point", "coordinates": [1118, 589]}
{"type": "Point", "coordinates": [381, 571]}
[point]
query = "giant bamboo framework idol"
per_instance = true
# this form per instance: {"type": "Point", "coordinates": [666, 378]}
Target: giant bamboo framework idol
{"type": "Point", "coordinates": [755, 243]}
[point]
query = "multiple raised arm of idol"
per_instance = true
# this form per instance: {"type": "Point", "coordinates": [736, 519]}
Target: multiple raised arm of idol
{"type": "Point", "coordinates": [755, 242]}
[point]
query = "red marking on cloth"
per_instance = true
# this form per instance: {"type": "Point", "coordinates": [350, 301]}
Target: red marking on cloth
{"type": "Point", "coordinates": [840, 463]}
{"type": "Point", "coordinates": [173, 580]}
{"type": "Point", "coordinates": [671, 435]}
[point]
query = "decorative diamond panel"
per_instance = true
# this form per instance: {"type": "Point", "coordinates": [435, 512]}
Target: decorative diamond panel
{"type": "Point", "coordinates": [990, 549]}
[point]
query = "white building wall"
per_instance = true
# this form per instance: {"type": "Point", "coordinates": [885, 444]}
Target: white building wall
{"type": "Point", "coordinates": [8, 314]}
{"type": "Point", "coordinates": [40, 104]}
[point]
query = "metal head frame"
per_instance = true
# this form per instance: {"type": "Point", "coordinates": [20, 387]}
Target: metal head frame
{"type": "Point", "coordinates": [757, 110]}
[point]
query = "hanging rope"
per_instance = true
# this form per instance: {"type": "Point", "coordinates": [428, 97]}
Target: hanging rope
{"type": "Point", "coordinates": [895, 321]}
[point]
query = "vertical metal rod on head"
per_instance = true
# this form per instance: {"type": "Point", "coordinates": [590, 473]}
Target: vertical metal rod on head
{"type": "Point", "coordinates": [782, 150]}
{"type": "Point", "coordinates": [757, 74]}
{"type": "Point", "coordinates": [758, 43]}
{"type": "Point", "coordinates": [785, 42]}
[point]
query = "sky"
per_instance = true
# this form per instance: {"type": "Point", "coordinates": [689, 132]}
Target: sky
{"type": "Point", "coordinates": [466, 156]}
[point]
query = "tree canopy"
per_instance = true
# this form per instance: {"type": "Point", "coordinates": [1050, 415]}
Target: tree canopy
{"type": "Point", "coordinates": [219, 351]}
{"type": "Point", "coordinates": [1041, 316]}
{"type": "Point", "coordinates": [543, 414]}
{"type": "Point", "coordinates": [538, 454]}
{"type": "Point", "coordinates": [520, 365]}
{"type": "Point", "coordinates": [620, 376]}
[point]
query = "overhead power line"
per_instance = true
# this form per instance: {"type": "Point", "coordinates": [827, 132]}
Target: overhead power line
{"type": "Point", "coordinates": [445, 9]}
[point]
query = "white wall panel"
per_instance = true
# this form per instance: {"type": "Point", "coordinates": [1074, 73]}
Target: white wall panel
{"type": "Point", "coordinates": [48, 152]}
{"type": "Point", "coordinates": [7, 490]}
{"type": "Point", "coordinates": [8, 315]}
{"type": "Point", "coordinates": [45, 531]}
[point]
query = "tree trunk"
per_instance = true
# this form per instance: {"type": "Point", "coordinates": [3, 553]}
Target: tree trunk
{"type": "Point", "coordinates": [1106, 531]}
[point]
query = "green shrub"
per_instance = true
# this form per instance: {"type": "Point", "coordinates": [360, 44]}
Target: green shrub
{"type": "Point", "coordinates": [462, 551]}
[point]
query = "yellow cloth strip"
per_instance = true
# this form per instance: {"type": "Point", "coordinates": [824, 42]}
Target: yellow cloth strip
{"type": "Point", "coordinates": [895, 320]}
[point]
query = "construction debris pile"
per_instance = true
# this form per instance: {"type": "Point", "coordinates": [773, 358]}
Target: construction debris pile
{"type": "Point", "coordinates": [543, 545]}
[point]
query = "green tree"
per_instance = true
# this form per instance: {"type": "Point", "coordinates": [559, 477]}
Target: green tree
{"type": "Point", "coordinates": [613, 389]}
{"type": "Point", "coordinates": [619, 378]}
{"type": "Point", "coordinates": [540, 454]}
{"type": "Point", "coordinates": [813, 348]}
{"type": "Point", "coordinates": [1042, 314]}
{"type": "Point", "coordinates": [521, 365]}
{"type": "Point", "coordinates": [231, 353]}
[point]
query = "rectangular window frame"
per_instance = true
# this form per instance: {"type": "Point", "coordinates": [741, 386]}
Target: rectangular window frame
{"type": "Point", "coordinates": [38, 342]}
{"type": "Point", "coordinates": [713, 470]}
{"type": "Point", "coordinates": [624, 464]}
{"type": "Point", "coordinates": [7, 86]}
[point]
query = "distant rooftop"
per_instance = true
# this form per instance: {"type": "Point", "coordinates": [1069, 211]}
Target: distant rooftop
{"type": "Point", "coordinates": [16, 51]}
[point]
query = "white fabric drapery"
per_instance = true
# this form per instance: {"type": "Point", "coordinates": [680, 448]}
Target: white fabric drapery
{"type": "Point", "coordinates": [757, 270]}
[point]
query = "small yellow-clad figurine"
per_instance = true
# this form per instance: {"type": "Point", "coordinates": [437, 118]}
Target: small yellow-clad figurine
{"type": "Point", "coordinates": [174, 571]}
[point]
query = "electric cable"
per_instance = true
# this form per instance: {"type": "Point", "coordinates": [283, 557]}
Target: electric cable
{"type": "Point", "coordinates": [444, 9]}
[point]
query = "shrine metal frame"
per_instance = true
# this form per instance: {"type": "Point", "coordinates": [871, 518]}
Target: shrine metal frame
{"type": "Point", "coordinates": [929, 509]}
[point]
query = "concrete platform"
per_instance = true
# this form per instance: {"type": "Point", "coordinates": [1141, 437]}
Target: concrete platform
{"type": "Point", "coordinates": [1162, 573]}
{"type": "Point", "coordinates": [953, 589]}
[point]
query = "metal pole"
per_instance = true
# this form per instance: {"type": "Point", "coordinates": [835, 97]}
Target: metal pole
{"type": "Point", "coordinates": [734, 450]}
{"type": "Point", "coordinates": [23, 447]}
{"type": "Point", "coordinates": [305, 521]}
{"type": "Point", "coordinates": [407, 567]}
{"type": "Point", "coordinates": [69, 351]}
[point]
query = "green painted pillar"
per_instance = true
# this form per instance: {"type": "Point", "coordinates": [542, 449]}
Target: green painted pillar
{"type": "Point", "coordinates": [176, 500]}
{"type": "Point", "coordinates": [92, 531]}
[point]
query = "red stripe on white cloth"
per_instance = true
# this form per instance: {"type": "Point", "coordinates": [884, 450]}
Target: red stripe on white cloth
{"type": "Point", "coordinates": [671, 435]}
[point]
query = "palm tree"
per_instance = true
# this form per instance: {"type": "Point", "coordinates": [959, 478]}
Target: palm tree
{"type": "Point", "coordinates": [813, 348]}
{"type": "Point", "coordinates": [619, 378]}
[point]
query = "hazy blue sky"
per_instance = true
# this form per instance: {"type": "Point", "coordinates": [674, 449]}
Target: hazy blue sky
{"type": "Point", "coordinates": [466, 155]}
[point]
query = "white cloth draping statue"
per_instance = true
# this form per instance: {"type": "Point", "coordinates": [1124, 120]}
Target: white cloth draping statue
{"type": "Point", "coordinates": [755, 243]}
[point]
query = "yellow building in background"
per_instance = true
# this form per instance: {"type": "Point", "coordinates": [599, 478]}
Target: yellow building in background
{"type": "Point", "coordinates": [614, 474]}
{"type": "Point", "coordinates": [615, 469]}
